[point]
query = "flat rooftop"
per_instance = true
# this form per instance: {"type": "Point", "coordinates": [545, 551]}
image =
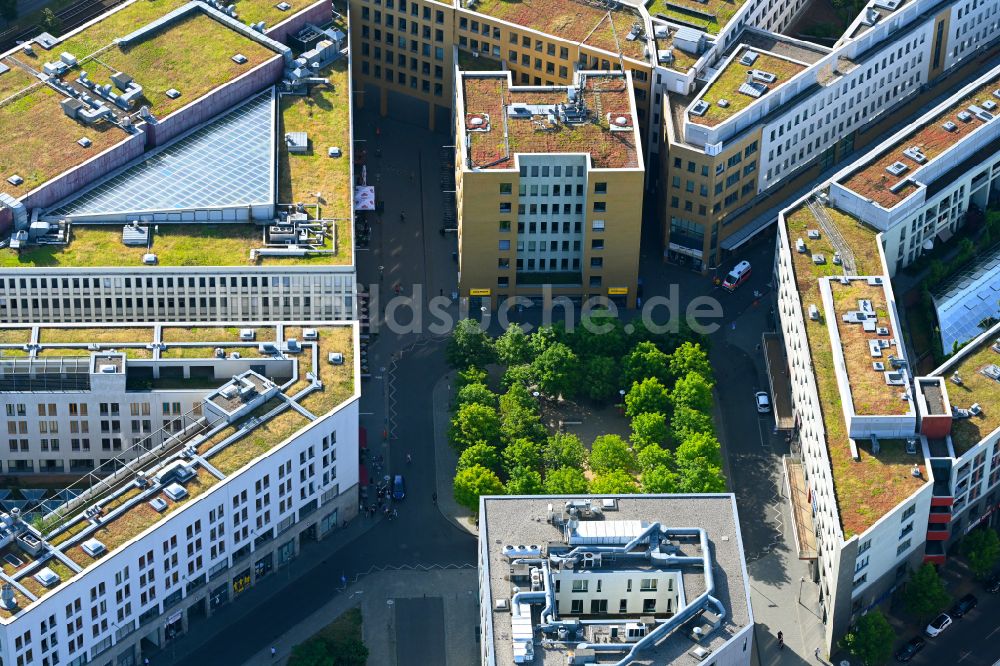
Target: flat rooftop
{"type": "Point", "coordinates": [192, 55]}
{"type": "Point", "coordinates": [573, 20]}
{"type": "Point", "coordinates": [975, 365]}
{"type": "Point", "coordinates": [523, 520]}
{"type": "Point", "coordinates": [710, 16]}
{"type": "Point", "coordinates": [734, 88]}
{"type": "Point", "coordinates": [196, 244]}
{"type": "Point", "coordinates": [874, 180]}
{"type": "Point", "coordinates": [489, 100]}
{"type": "Point", "coordinates": [223, 448]}
{"type": "Point", "coordinates": [867, 489]}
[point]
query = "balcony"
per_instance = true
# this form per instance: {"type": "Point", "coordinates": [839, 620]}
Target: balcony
{"type": "Point", "coordinates": [936, 533]}
{"type": "Point", "coordinates": [942, 501]}
{"type": "Point", "coordinates": [938, 519]}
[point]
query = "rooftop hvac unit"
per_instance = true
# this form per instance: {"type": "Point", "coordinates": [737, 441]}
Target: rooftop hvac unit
{"type": "Point", "coordinates": [159, 505]}
{"type": "Point", "coordinates": [700, 108]}
{"type": "Point", "coordinates": [800, 246]}
{"type": "Point", "coordinates": [47, 577]}
{"type": "Point", "coordinates": [949, 126]}
{"type": "Point", "coordinates": [964, 116]}
{"type": "Point", "coordinates": [310, 334]}
{"type": "Point", "coordinates": [335, 358]}
{"type": "Point", "coordinates": [248, 334]}
{"type": "Point", "coordinates": [819, 259]}
{"type": "Point", "coordinates": [229, 391]}
{"type": "Point", "coordinates": [175, 491]}
{"type": "Point", "coordinates": [813, 312]}
{"type": "Point", "coordinates": [501, 605]}
{"type": "Point", "coordinates": [748, 58]}
{"type": "Point", "coordinates": [813, 234]}
{"type": "Point", "coordinates": [108, 369]}
{"type": "Point", "coordinates": [93, 547]}
{"type": "Point", "coordinates": [897, 168]}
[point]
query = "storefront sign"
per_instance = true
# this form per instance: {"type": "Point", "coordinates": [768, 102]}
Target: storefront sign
{"type": "Point", "coordinates": [617, 291]}
{"type": "Point", "coordinates": [174, 618]}
{"type": "Point", "coordinates": [479, 292]}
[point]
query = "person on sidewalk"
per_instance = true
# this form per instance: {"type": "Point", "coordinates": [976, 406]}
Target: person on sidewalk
{"type": "Point", "coordinates": [274, 652]}
{"type": "Point", "coordinates": [817, 654]}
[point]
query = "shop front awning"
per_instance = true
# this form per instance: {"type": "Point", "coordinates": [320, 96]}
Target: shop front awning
{"type": "Point", "coordinates": [364, 197]}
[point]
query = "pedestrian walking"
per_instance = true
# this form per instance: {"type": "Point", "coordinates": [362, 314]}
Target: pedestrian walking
{"type": "Point", "coordinates": [409, 458]}
{"type": "Point", "coordinates": [274, 652]}
{"type": "Point", "coordinates": [817, 654]}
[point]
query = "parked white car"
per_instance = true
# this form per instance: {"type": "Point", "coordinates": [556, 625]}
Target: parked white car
{"type": "Point", "coordinates": [938, 624]}
{"type": "Point", "coordinates": [763, 402]}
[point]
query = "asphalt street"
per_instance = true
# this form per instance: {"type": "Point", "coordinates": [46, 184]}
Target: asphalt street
{"type": "Point", "coordinates": [419, 631]}
{"type": "Point", "coordinates": [973, 640]}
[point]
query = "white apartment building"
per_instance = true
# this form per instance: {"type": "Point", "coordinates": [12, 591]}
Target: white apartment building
{"type": "Point", "coordinates": [160, 537]}
{"type": "Point", "coordinates": [917, 186]}
{"type": "Point", "coordinates": [615, 580]}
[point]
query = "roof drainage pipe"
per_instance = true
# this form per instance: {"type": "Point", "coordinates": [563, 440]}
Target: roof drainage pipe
{"type": "Point", "coordinates": [704, 599]}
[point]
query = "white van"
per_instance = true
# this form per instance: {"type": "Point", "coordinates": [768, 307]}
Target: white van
{"type": "Point", "coordinates": [737, 276]}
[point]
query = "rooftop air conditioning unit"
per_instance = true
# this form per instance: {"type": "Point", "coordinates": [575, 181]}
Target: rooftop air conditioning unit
{"type": "Point", "coordinates": [813, 234]}
{"type": "Point", "coordinates": [819, 259]}
{"type": "Point", "coordinates": [175, 491]}
{"type": "Point", "coordinates": [800, 246]}
{"type": "Point", "coordinates": [501, 605]}
{"type": "Point", "coordinates": [897, 168]}
{"type": "Point", "coordinates": [310, 334]}
{"type": "Point", "coordinates": [964, 116]}
{"type": "Point", "coordinates": [159, 504]}
{"type": "Point", "coordinates": [248, 334]}
{"type": "Point", "coordinates": [813, 312]}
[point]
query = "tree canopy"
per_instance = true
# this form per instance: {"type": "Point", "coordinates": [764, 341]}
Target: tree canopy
{"type": "Point", "coordinates": [616, 482]}
{"type": "Point", "coordinates": [563, 450]}
{"type": "Point", "coordinates": [600, 378]}
{"type": "Point", "coordinates": [646, 360]}
{"type": "Point", "coordinates": [476, 393]}
{"type": "Point", "coordinates": [524, 454]}
{"type": "Point", "coordinates": [690, 357]}
{"type": "Point", "coordinates": [699, 476]}
{"type": "Point", "coordinates": [555, 370]}
{"type": "Point", "coordinates": [692, 390]}
{"type": "Point", "coordinates": [469, 345]}
{"type": "Point", "coordinates": [481, 454]}
{"type": "Point", "coordinates": [474, 423]}
{"type": "Point", "coordinates": [981, 549]}
{"type": "Point", "coordinates": [659, 479]}
{"type": "Point", "coordinates": [871, 639]}
{"type": "Point", "coordinates": [513, 347]}
{"type": "Point", "coordinates": [648, 428]}
{"type": "Point", "coordinates": [925, 592]}
{"type": "Point", "coordinates": [649, 395]}
{"type": "Point", "coordinates": [565, 481]}
{"type": "Point", "coordinates": [686, 421]}
{"type": "Point", "coordinates": [654, 456]}
{"type": "Point", "coordinates": [610, 453]}
{"type": "Point", "coordinates": [524, 481]}
{"type": "Point", "coordinates": [471, 483]}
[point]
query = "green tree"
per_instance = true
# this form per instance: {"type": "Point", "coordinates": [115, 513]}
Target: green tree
{"type": "Point", "coordinates": [351, 652]}
{"type": "Point", "coordinates": [659, 479]}
{"type": "Point", "coordinates": [522, 453]}
{"type": "Point", "coordinates": [50, 22]}
{"type": "Point", "coordinates": [692, 390]}
{"type": "Point", "coordinates": [690, 357]}
{"type": "Point", "coordinates": [521, 423]}
{"type": "Point", "coordinates": [610, 453]}
{"type": "Point", "coordinates": [649, 395]}
{"type": "Point", "coordinates": [518, 374]}
{"type": "Point", "coordinates": [981, 548]}
{"type": "Point", "coordinates": [646, 360]}
{"type": "Point", "coordinates": [517, 397]}
{"type": "Point", "coordinates": [925, 593]}
{"type": "Point", "coordinates": [477, 393]}
{"type": "Point", "coordinates": [699, 445]}
{"type": "Point", "coordinates": [513, 347]}
{"type": "Point", "coordinates": [655, 456]}
{"type": "Point", "coordinates": [474, 423]}
{"type": "Point", "coordinates": [565, 481]}
{"type": "Point", "coordinates": [471, 483]}
{"type": "Point", "coordinates": [699, 476]}
{"type": "Point", "coordinates": [600, 378]}
{"type": "Point", "coordinates": [648, 428]}
{"type": "Point", "coordinates": [481, 454]}
{"type": "Point", "coordinates": [555, 370]}
{"type": "Point", "coordinates": [687, 421]}
{"type": "Point", "coordinates": [8, 9]}
{"type": "Point", "coordinates": [314, 652]}
{"type": "Point", "coordinates": [563, 450]}
{"type": "Point", "coordinates": [469, 345]}
{"type": "Point", "coordinates": [524, 481]}
{"type": "Point", "coordinates": [600, 334]}
{"type": "Point", "coordinates": [617, 482]}
{"type": "Point", "coordinates": [471, 375]}
{"type": "Point", "coordinates": [871, 639]}
{"type": "Point", "coordinates": [542, 339]}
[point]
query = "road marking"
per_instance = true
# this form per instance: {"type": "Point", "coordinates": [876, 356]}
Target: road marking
{"type": "Point", "coordinates": [990, 635]}
{"type": "Point", "coordinates": [964, 655]}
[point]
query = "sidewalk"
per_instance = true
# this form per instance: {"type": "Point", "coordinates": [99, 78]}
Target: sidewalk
{"type": "Point", "coordinates": [374, 594]}
{"type": "Point", "coordinates": [445, 458]}
{"type": "Point", "coordinates": [264, 595]}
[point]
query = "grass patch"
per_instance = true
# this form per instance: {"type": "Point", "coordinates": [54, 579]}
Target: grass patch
{"type": "Point", "coordinates": [874, 182]}
{"type": "Point", "coordinates": [976, 387]}
{"type": "Point", "coordinates": [726, 86]}
{"type": "Point", "coordinates": [324, 115]}
{"type": "Point", "coordinates": [46, 146]}
{"type": "Point", "coordinates": [174, 245]}
{"type": "Point", "coordinates": [338, 380]}
{"type": "Point", "coordinates": [69, 532]}
{"type": "Point", "coordinates": [15, 336]}
{"type": "Point", "coordinates": [338, 642]}
{"type": "Point", "coordinates": [216, 334]}
{"type": "Point", "coordinates": [572, 20]}
{"type": "Point", "coordinates": [865, 490]}
{"type": "Point", "coordinates": [257, 442]}
{"type": "Point", "coordinates": [39, 590]}
{"type": "Point", "coordinates": [142, 516]}
{"type": "Point", "coordinates": [209, 353]}
{"type": "Point", "coordinates": [103, 336]}
{"type": "Point", "coordinates": [14, 80]}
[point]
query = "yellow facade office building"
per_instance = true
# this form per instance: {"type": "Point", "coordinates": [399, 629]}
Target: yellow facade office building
{"type": "Point", "coordinates": [549, 183]}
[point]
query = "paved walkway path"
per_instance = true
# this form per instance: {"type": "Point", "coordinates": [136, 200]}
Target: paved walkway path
{"type": "Point", "coordinates": [445, 457]}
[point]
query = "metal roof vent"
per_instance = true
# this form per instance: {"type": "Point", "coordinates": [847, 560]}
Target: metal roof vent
{"type": "Point", "coordinates": [173, 93]}
{"type": "Point", "coordinates": [159, 505]}
{"type": "Point", "coordinates": [93, 547]}
{"type": "Point", "coordinates": [175, 491]}
{"type": "Point", "coordinates": [15, 180]}
{"type": "Point", "coordinates": [85, 142]}
{"type": "Point", "coordinates": [47, 577]}
{"type": "Point", "coordinates": [897, 168]}
{"type": "Point", "coordinates": [335, 358]}
{"type": "Point", "coordinates": [240, 59]}
{"type": "Point", "coordinates": [700, 108]}
{"type": "Point", "coordinates": [949, 126]}
{"type": "Point", "coordinates": [748, 58]}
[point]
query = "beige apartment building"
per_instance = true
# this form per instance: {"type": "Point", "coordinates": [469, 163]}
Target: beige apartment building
{"type": "Point", "coordinates": [549, 184]}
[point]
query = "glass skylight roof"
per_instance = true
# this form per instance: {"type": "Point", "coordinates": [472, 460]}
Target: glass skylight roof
{"type": "Point", "coordinates": [225, 163]}
{"type": "Point", "coordinates": [969, 303]}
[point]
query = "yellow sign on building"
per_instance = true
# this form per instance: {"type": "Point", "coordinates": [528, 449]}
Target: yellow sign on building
{"type": "Point", "coordinates": [479, 292]}
{"type": "Point", "coordinates": [617, 291]}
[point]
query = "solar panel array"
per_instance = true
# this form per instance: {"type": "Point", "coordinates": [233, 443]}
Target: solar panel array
{"type": "Point", "coordinates": [227, 162]}
{"type": "Point", "coordinates": [970, 302]}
